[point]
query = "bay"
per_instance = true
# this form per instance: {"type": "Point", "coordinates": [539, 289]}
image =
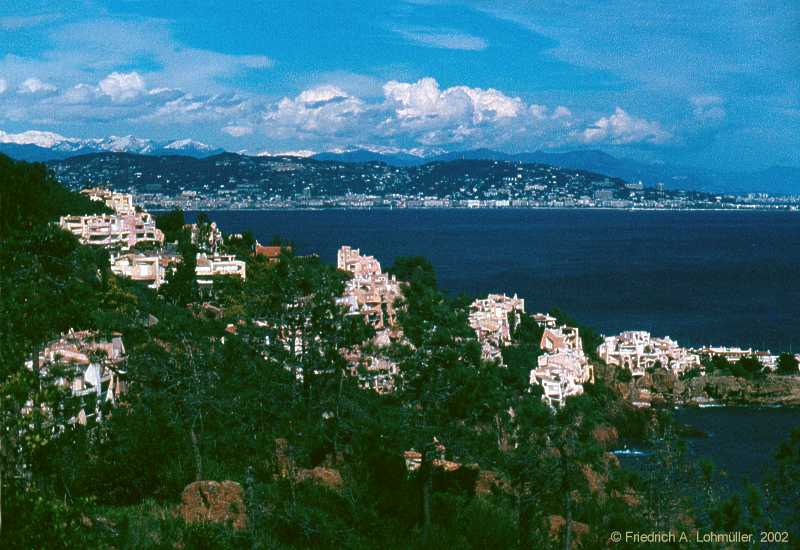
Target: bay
{"type": "Point", "coordinates": [701, 277]}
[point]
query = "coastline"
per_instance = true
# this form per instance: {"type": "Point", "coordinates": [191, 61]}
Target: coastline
{"type": "Point", "coordinates": [480, 208]}
{"type": "Point", "coordinates": [667, 391]}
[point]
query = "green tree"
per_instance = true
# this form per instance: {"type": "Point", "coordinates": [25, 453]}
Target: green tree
{"type": "Point", "coordinates": [414, 268]}
{"type": "Point", "coordinates": [748, 367]}
{"type": "Point", "coordinates": [181, 285]}
{"type": "Point", "coordinates": [172, 224]}
{"type": "Point", "coordinates": [787, 364]}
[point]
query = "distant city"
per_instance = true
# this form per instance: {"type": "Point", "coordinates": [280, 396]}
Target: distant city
{"type": "Point", "coordinates": [231, 181]}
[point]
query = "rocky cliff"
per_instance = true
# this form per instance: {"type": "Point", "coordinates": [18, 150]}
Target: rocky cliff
{"type": "Point", "coordinates": [663, 388]}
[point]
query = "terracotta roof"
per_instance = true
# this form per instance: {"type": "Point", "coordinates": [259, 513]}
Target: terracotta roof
{"type": "Point", "coordinates": [270, 251]}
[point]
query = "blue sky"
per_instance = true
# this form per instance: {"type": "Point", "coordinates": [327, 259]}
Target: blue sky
{"type": "Point", "coordinates": [715, 84]}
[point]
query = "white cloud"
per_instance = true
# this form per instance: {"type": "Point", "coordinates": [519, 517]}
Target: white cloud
{"type": "Point", "coordinates": [410, 114]}
{"type": "Point", "coordinates": [90, 49]}
{"type": "Point", "coordinates": [238, 131]}
{"type": "Point", "coordinates": [122, 86]}
{"type": "Point", "coordinates": [3, 86]}
{"type": "Point", "coordinates": [324, 110]}
{"type": "Point", "coordinates": [445, 39]}
{"type": "Point", "coordinates": [36, 86]}
{"type": "Point", "coordinates": [79, 94]}
{"type": "Point", "coordinates": [416, 115]}
{"type": "Point", "coordinates": [16, 22]}
{"type": "Point", "coordinates": [423, 101]}
{"type": "Point", "coordinates": [561, 112]}
{"type": "Point", "coordinates": [321, 95]}
{"type": "Point", "coordinates": [167, 107]}
{"type": "Point", "coordinates": [624, 129]}
{"type": "Point", "coordinates": [708, 107]}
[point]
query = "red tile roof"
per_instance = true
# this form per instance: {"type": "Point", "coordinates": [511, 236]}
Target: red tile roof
{"type": "Point", "coordinates": [269, 251]}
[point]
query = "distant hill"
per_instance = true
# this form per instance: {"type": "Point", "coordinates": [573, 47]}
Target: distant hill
{"type": "Point", "coordinates": [231, 178]}
{"type": "Point", "coordinates": [364, 155]}
{"type": "Point", "coordinates": [30, 153]}
{"type": "Point", "coordinates": [776, 180]}
{"type": "Point", "coordinates": [39, 146]}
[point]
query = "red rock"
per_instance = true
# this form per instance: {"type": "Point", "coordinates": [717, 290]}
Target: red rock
{"type": "Point", "coordinates": [489, 479]}
{"type": "Point", "coordinates": [605, 436]}
{"type": "Point", "coordinates": [327, 477]}
{"type": "Point", "coordinates": [214, 502]}
{"type": "Point", "coordinates": [579, 529]}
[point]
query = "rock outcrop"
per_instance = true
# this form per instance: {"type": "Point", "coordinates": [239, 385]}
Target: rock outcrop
{"type": "Point", "coordinates": [214, 502]}
{"type": "Point", "coordinates": [664, 388]}
{"type": "Point", "coordinates": [557, 523]}
{"type": "Point", "coordinates": [327, 477]}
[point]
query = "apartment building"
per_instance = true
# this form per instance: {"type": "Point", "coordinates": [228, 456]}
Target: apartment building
{"type": "Point", "coordinates": [563, 368]}
{"type": "Point", "coordinates": [376, 373]}
{"type": "Point", "coordinates": [120, 203]}
{"type": "Point", "coordinates": [561, 375]}
{"type": "Point", "coordinates": [544, 320]}
{"type": "Point", "coordinates": [370, 292]}
{"type": "Point", "coordinates": [152, 268]}
{"type": "Point", "coordinates": [637, 351]}
{"type": "Point", "coordinates": [113, 230]}
{"type": "Point", "coordinates": [218, 265]}
{"type": "Point", "coordinates": [93, 370]}
{"type": "Point", "coordinates": [493, 319]}
{"type": "Point", "coordinates": [561, 338]}
{"type": "Point", "coordinates": [123, 229]}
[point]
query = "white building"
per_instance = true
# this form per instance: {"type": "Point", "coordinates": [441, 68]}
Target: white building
{"type": "Point", "coordinates": [152, 268]}
{"type": "Point", "coordinates": [113, 230]}
{"type": "Point", "coordinates": [563, 368]}
{"type": "Point", "coordinates": [637, 351]}
{"type": "Point", "coordinates": [93, 370]}
{"type": "Point", "coordinates": [561, 375]}
{"type": "Point", "coordinates": [218, 265]}
{"type": "Point", "coordinates": [120, 203]}
{"type": "Point", "coordinates": [370, 292]}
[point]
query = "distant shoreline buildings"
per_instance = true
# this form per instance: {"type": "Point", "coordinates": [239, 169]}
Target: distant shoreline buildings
{"type": "Point", "coordinates": [232, 182]}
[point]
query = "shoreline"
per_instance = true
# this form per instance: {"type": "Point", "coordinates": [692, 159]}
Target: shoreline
{"type": "Point", "coordinates": [708, 392]}
{"type": "Point", "coordinates": [465, 208]}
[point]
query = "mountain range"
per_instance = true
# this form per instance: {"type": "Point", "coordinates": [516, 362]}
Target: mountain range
{"type": "Point", "coordinates": [37, 146]}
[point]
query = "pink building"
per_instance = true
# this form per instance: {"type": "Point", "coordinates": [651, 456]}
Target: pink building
{"type": "Point", "coordinates": [113, 230]}
{"type": "Point", "coordinates": [370, 292]}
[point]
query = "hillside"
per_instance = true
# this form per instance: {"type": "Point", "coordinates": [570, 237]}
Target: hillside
{"type": "Point", "coordinates": [774, 180]}
{"type": "Point", "coordinates": [285, 177]}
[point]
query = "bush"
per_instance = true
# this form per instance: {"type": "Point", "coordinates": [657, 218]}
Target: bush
{"type": "Point", "coordinates": [624, 376]}
{"type": "Point", "coordinates": [787, 364]}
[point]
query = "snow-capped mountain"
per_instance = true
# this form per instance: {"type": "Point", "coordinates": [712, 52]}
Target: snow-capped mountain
{"type": "Point", "coordinates": [302, 153]}
{"type": "Point", "coordinates": [36, 145]}
{"type": "Point", "coordinates": [188, 145]}
{"type": "Point", "coordinates": [124, 144]}
{"type": "Point", "coordinates": [47, 140]}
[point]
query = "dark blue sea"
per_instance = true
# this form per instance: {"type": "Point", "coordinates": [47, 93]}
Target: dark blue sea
{"type": "Point", "coordinates": [741, 441]}
{"type": "Point", "coordinates": [702, 277]}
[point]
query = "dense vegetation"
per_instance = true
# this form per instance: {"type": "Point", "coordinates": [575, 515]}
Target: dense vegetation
{"type": "Point", "coordinates": [204, 402]}
{"type": "Point", "coordinates": [31, 196]}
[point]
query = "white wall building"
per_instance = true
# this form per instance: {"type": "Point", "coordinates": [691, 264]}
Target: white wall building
{"type": "Point", "coordinates": [637, 351]}
{"type": "Point", "coordinates": [493, 318]}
